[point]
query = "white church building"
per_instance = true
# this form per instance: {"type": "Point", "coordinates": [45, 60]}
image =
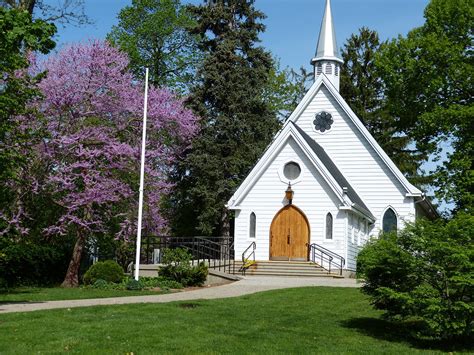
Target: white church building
{"type": "Point", "coordinates": [323, 180]}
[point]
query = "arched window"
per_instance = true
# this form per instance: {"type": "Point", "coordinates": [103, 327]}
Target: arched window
{"type": "Point", "coordinates": [389, 221]}
{"type": "Point", "coordinates": [329, 226]}
{"type": "Point", "coordinates": [328, 69]}
{"type": "Point", "coordinates": [319, 69]}
{"type": "Point", "coordinates": [253, 225]}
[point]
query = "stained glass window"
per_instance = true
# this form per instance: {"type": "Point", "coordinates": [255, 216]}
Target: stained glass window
{"type": "Point", "coordinates": [253, 225]}
{"type": "Point", "coordinates": [329, 226]}
{"type": "Point", "coordinates": [323, 121]}
{"type": "Point", "coordinates": [389, 222]}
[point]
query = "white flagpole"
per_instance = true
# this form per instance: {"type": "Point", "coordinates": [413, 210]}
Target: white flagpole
{"type": "Point", "coordinates": [142, 174]}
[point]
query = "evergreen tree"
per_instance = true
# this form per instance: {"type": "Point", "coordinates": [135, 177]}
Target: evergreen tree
{"type": "Point", "coordinates": [237, 122]}
{"type": "Point", "coordinates": [154, 34]}
{"type": "Point", "coordinates": [363, 89]}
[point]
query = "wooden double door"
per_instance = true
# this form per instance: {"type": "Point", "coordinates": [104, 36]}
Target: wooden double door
{"type": "Point", "coordinates": [289, 235]}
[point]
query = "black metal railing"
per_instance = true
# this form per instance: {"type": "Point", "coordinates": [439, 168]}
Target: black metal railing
{"type": "Point", "coordinates": [326, 258]}
{"type": "Point", "coordinates": [248, 257]}
{"type": "Point", "coordinates": [216, 252]}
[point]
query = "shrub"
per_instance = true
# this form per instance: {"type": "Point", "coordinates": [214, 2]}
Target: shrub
{"type": "Point", "coordinates": [167, 284]}
{"type": "Point", "coordinates": [134, 285]}
{"type": "Point", "coordinates": [426, 274]}
{"type": "Point", "coordinates": [32, 263]}
{"type": "Point", "coordinates": [107, 270]}
{"type": "Point", "coordinates": [178, 268]}
{"type": "Point", "coordinates": [100, 284]}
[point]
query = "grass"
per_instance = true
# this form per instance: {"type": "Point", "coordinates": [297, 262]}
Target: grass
{"type": "Point", "coordinates": [297, 321]}
{"type": "Point", "coordinates": [39, 294]}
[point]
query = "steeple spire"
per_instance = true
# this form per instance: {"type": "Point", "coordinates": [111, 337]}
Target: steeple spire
{"type": "Point", "coordinates": [327, 59]}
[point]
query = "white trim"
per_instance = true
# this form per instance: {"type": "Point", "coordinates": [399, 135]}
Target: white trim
{"type": "Point", "coordinates": [323, 79]}
{"type": "Point", "coordinates": [357, 212]}
{"type": "Point", "coordinates": [288, 131]}
{"type": "Point", "coordinates": [281, 173]}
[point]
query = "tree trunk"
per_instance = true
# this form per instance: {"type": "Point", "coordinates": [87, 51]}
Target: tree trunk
{"type": "Point", "coordinates": [72, 275]}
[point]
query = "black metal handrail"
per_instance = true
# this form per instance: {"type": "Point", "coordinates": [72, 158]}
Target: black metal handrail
{"type": "Point", "coordinates": [245, 259]}
{"type": "Point", "coordinates": [322, 256]}
{"type": "Point", "coordinates": [217, 252]}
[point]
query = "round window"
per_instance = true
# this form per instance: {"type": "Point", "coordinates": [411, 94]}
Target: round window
{"type": "Point", "coordinates": [291, 170]}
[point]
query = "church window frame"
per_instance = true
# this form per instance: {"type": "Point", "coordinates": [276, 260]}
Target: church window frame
{"type": "Point", "coordinates": [329, 124]}
{"type": "Point", "coordinates": [395, 226]}
{"type": "Point", "coordinates": [329, 227]}
{"type": "Point", "coordinates": [281, 171]}
{"type": "Point", "coordinates": [252, 225]}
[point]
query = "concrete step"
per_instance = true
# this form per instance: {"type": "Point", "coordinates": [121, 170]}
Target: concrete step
{"type": "Point", "coordinates": [261, 273]}
{"type": "Point", "coordinates": [286, 268]}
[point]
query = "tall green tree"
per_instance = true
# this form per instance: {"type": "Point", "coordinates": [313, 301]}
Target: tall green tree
{"type": "Point", "coordinates": [285, 89]}
{"type": "Point", "coordinates": [363, 89]}
{"type": "Point", "coordinates": [19, 34]}
{"type": "Point", "coordinates": [237, 121]}
{"type": "Point", "coordinates": [154, 34]}
{"type": "Point", "coordinates": [61, 11]}
{"type": "Point", "coordinates": [428, 78]}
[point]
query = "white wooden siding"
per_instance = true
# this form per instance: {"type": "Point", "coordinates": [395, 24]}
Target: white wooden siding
{"type": "Point", "coordinates": [356, 159]}
{"type": "Point", "coordinates": [266, 198]}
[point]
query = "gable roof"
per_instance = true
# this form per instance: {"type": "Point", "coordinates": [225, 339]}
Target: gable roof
{"type": "Point", "coordinates": [316, 155]}
{"type": "Point", "coordinates": [335, 172]}
{"type": "Point", "coordinates": [323, 80]}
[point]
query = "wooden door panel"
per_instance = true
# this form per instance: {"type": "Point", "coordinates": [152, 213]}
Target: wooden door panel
{"type": "Point", "coordinates": [279, 231]}
{"type": "Point", "coordinates": [289, 235]}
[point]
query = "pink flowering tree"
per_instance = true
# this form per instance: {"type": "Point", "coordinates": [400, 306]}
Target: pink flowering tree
{"type": "Point", "coordinates": [93, 110]}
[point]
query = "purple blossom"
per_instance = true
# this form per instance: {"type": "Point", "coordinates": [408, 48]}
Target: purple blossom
{"type": "Point", "coordinates": [93, 110]}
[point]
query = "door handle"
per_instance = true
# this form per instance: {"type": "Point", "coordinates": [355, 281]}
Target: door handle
{"type": "Point", "coordinates": [288, 241]}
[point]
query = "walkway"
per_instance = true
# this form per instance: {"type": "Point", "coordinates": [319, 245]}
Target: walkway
{"type": "Point", "coordinates": [247, 285]}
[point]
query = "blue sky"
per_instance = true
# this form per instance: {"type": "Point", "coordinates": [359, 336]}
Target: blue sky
{"type": "Point", "coordinates": [292, 25]}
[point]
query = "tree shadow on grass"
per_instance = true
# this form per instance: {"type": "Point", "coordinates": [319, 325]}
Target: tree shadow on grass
{"type": "Point", "coordinates": [14, 291]}
{"type": "Point", "coordinates": [401, 332]}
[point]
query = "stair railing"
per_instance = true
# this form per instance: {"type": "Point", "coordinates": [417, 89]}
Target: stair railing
{"type": "Point", "coordinates": [325, 258]}
{"type": "Point", "coordinates": [216, 252]}
{"type": "Point", "coordinates": [248, 257]}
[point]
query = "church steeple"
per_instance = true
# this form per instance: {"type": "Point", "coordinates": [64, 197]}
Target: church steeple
{"type": "Point", "coordinates": [327, 59]}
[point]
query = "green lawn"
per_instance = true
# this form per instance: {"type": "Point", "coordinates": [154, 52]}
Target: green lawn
{"type": "Point", "coordinates": [37, 294]}
{"type": "Point", "coordinates": [297, 321]}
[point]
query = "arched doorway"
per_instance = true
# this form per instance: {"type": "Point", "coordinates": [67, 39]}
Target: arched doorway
{"type": "Point", "coordinates": [289, 235]}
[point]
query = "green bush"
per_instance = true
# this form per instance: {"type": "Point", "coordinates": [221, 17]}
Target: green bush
{"type": "Point", "coordinates": [178, 268]}
{"type": "Point", "coordinates": [100, 284]}
{"type": "Point", "coordinates": [134, 285]}
{"type": "Point", "coordinates": [167, 284]}
{"type": "Point", "coordinates": [150, 282]}
{"type": "Point", "coordinates": [107, 270]}
{"type": "Point", "coordinates": [424, 274]}
{"type": "Point", "coordinates": [32, 262]}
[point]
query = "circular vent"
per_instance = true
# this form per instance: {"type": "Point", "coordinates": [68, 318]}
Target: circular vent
{"type": "Point", "coordinates": [291, 170]}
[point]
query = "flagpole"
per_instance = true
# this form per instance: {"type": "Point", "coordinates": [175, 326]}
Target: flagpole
{"type": "Point", "coordinates": [142, 174]}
